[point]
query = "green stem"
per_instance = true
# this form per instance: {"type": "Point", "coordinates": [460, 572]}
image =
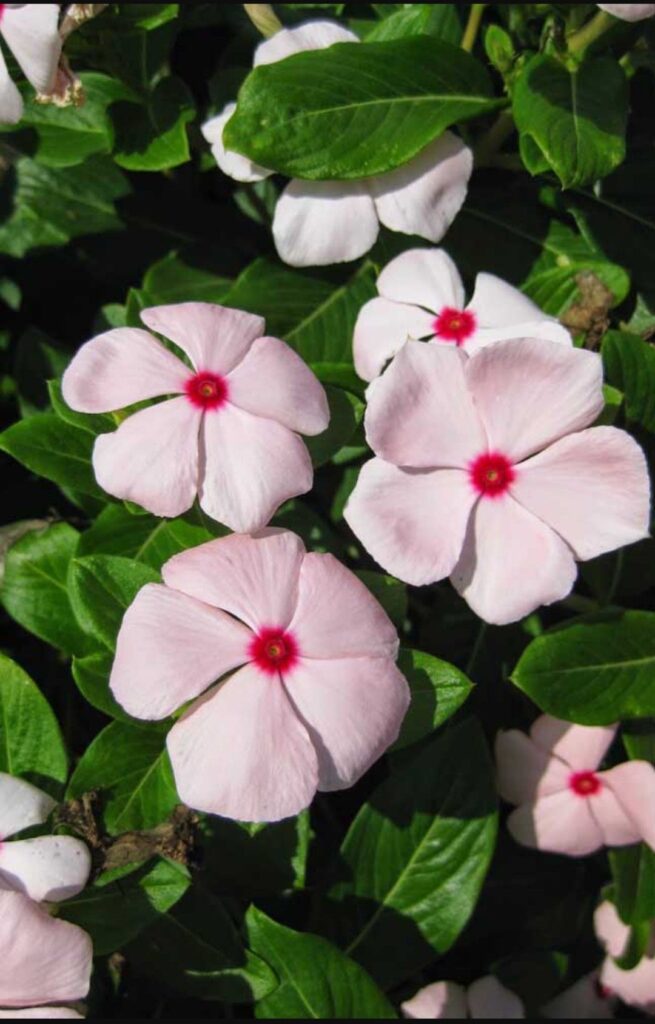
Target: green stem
{"type": "Point", "coordinates": [581, 40]}
{"type": "Point", "coordinates": [492, 141]}
{"type": "Point", "coordinates": [263, 18]}
{"type": "Point", "coordinates": [472, 26]}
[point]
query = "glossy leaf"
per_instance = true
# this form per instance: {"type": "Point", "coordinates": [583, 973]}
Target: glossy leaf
{"type": "Point", "coordinates": [438, 690]}
{"type": "Point", "coordinates": [101, 588]}
{"type": "Point", "coordinates": [31, 743]}
{"type": "Point", "coordinates": [630, 365]}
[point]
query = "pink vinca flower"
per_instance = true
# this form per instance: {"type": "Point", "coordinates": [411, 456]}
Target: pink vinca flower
{"type": "Point", "coordinates": [317, 698]}
{"type": "Point", "coordinates": [421, 296]}
{"type": "Point", "coordinates": [322, 222]}
{"type": "Point", "coordinates": [485, 473]}
{"type": "Point", "coordinates": [30, 32]}
{"type": "Point", "coordinates": [637, 986]}
{"type": "Point", "coordinates": [230, 432]}
{"type": "Point", "coordinates": [485, 999]}
{"type": "Point", "coordinates": [565, 804]}
{"type": "Point", "coordinates": [586, 999]}
{"type": "Point", "coordinates": [43, 960]}
{"type": "Point", "coordinates": [47, 867]}
{"type": "Point", "coordinates": [629, 12]}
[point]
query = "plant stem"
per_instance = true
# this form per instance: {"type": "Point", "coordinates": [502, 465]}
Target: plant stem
{"type": "Point", "coordinates": [492, 141]}
{"type": "Point", "coordinates": [472, 26]}
{"type": "Point", "coordinates": [263, 18]}
{"type": "Point", "coordinates": [595, 28]}
{"type": "Point", "coordinates": [476, 648]}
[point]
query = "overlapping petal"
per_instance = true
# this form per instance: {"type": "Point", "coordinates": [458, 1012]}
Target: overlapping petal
{"type": "Point", "coordinates": [633, 786]}
{"type": "Point", "coordinates": [317, 223]}
{"type": "Point", "coordinates": [422, 277]}
{"type": "Point", "coordinates": [381, 330]}
{"type": "Point", "coordinates": [236, 166]}
{"type": "Point", "coordinates": [311, 35]}
{"type": "Point", "coordinates": [525, 772]}
{"type": "Point", "coordinates": [51, 868]}
{"type": "Point", "coordinates": [21, 805]}
{"type": "Point", "coordinates": [214, 337]}
{"type": "Point", "coordinates": [581, 747]}
{"type": "Point", "coordinates": [559, 823]}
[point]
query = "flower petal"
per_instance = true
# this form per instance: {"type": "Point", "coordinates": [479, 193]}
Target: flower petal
{"type": "Point", "coordinates": [633, 785]}
{"type": "Point", "coordinates": [273, 381]}
{"type": "Point", "coordinates": [311, 35]}
{"type": "Point", "coordinates": [530, 392]}
{"type": "Point", "coordinates": [616, 827]}
{"type": "Point", "coordinates": [242, 752]}
{"type": "Point", "coordinates": [591, 487]}
{"type": "Point", "coordinates": [412, 522]}
{"type": "Point", "coordinates": [317, 223]}
{"type": "Point", "coordinates": [489, 1000]}
{"type": "Point", "coordinates": [423, 277]}
{"type": "Point", "coordinates": [43, 1013]}
{"type": "Point", "coordinates": [381, 329]}
{"type": "Point", "coordinates": [635, 987]}
{"type": "Point", "coordinates": [152, 459]}
{"type": "Point", "coordinates": [46, 868]}
{"type": "Point", "coordinates": [21, 805]}
{"type": "Point", "coordinates": [443, 1000]}
{"type": "Point", "coordinates": [352, 709]}
{"type": "Point", "coordinates": [11, 101]}
{"type": "Point", "coordinates": [580, 747]}
{"type": "Point", "coordinates": [496, 303]}
{"type": "Point", "coordinates": [420, 412]}
{"type": "Point", "coordinates": [629, 12]}
{"type": "Point", "coordinates": [423, 196]}
{"type": "Point", "coordinates": [559, 823]}
{"type": "Point", "coordinates": [121, 367]}
{"type": "Point", "coordinates": [249, 466]}
{"type": "Point", "coordinates": [30, 31]}
{"type": "Point", "coordinates": [511, 563]}
{"type": "Point", "coordinates": [547, 330]}
{"type": "Point", "coordinates": [254, 578]}
{"type": "Point", "coordinates": [44, 960]}
{"type": "Point", "coordinates": [524, 772]}
{"type": "Point", "coordinates": [582, 1000]}
{"type": "Point", "coordinates": [236, 166]}
{"type": "Point", "coordinates": [610, 930]}
{"type": "Point", "coordinates": [337, 616]}
{"type": "Point", "coordinates": [170, 648]}
{"type": "Point", "coordinates": [214, 337]}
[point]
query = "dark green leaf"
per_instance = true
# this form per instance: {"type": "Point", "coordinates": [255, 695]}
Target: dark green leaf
{"type": "Point", "coordinates": [246, 860]}
{"type": "Point", "coordinates": [173, 279]}
{"type": "Point", "coordinates": [630, 365]}
{"type": "Point", "coordinates": [284, 297]}
{"type": "Point", "coordinates": [53, 449]}
{"type": "Point", "coordinates": [346, 412]}
{"type": "Point", "coordinates": [93, 423]}
{"type": "Point", "coordinates": [30, 740]}
{"type": "Point", "coordinates": [151, 136]}
{"type": "Point", "coordinates": [91, 675]}
{"type": "Point", "coordinates": [144, 537]}
{"type": "Point", "coordinates": [438, 690]}
{"type": "Point", "coordinates": [101, 588]}
{"type": "Point", "coordinates": [440, 20]}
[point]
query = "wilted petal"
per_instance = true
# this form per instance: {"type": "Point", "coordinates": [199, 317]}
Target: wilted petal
{"type": "Point", "coordinates": [581, 747]}
{"type": "Point", "coordinates": [47, 868]}
{"type": "Point", "coordinates": [170, 648]}
{"type": "Point", "coordinates": [21, 805]}
{"type": "Point", "coordinates": [524, 771]}
{"type": "Point", "coordinates": [311, 35]}
{"type": "Point", "coordinates": [30, 31]}
{"type": "Point", "coordinates": [443, 1000]}
{"type": "Point", "coordinates": [633, 785]}
{"type": "Point", "coordinates": [559, 823]}
{"type": "Point", "coordinates": [152, 459]}
{"type": "Point", "coordinates": [236, 166]}
{"type": "Point", "coordinates": [242, 752]}
{"type": "Point", "coordinates": [423, 196]}
{"type": "Point", "coordinates": [11, 101]}
{"type": "Point", "coordinates": [317, 223]}
{"type": "Point", "coordinates": [489, 1000]}
{"type": "Point", "coordinates": [629, 12]}
{"type": "Point", "coordinates": [423, 277]}
{"type": "Point", "coordinates": [382, 328]}
{"type": "Point", "coordinates": [214, 337]}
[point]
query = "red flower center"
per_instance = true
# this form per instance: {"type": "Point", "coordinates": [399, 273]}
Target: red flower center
{"type": "Point", "coordinates": [454, 325]}
{"type": "Point", "coordinates": [2, 10]}
{"type": "Point", "coordinates": [602, 991]}
{"type": "Point", "coordinates": [273, 650]}
{"type": "Point", "coordinates": [491, 474]}
{"type": "Point", "coordinates": [206, 390]}
{"type": "Point", "coordinates": [585, 783]}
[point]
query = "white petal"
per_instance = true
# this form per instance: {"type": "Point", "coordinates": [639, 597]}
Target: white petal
{"type": "Point", "coordinates": [311, 35]}
{"type": "Point", "coordinates": [321, 222]}
{"type": "Point", "coordinates": [21, 805]}
{"type": "Point", "coordinates": [30, 31]}
{"type": "Point", "coordinates": [423, 277]}
{"type": "Point", "coordinates": [381, 330]}
{"type": "Point", "coordinates": [233, 164]}
{"type": "Point", "coordinates": [46, 868]}
{"type": "Point", "coordinates": [11, 101]}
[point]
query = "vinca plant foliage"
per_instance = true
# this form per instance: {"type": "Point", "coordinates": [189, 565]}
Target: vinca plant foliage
{"type": "Point", "coordinates": [327, 670]}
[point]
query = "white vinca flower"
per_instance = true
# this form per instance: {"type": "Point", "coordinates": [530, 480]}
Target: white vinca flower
{"type": "Point", "coordinates": [321, 222]}
{"type": "Point", "coordinates": [30, 32]}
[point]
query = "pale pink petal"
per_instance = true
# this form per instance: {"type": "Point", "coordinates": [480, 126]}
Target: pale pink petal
{"type": "Point", "coordinates": [411, 521]}
{"type": "Point", "coordinates": [317, 223]}
{"type": "Point", "coordinates": [254, 578]}
{"type": "Point", "coordinates": [152, 459]}
{"type": "Point", "coordinates": [273, 381]}
{"type": "Point", "coordinates": [423, 196]}
{"type": "Point", "coordinates": [43, 960]}
{"type": "Point", "coordinates": [581, 747]}
{"type": "Point", "coordinates": [311, 35]}
{"type": "Point", "coordinates": [30, 31]}
{"type": "Point", "coordinates": [496, 303]}
{"type": "Point", "coordinates": [633, 785]}
{"type": "Point", "coordinates": [443, 1000]}
{"type": "Point", "coordinates": [21, 805]}
{"type": "Point", "coordinates": [546, 329]}
{"type": "Point", "coordinates": [11, 101]}
{"type": "Point", "coordinates": [43, 1013]}
{"type": "Point", "coordinates": [511, 563]}
{"type": "Point", "coordinates": [242, 752]}
{"type": "Point", "coordinates": [352, 709]}
{"type": "Point", "coordinates": [420, 412]}
{"type": "Point", "coordinates": [121, 367]}
{"type": "Point", "coordinates": [490, 1000]}
{"type": "Point", "coordinates": [214, 337]}
{"type": "Point", "coordinates": [382, 328]}
{"type": "Point", "coordinates": [530, 392]}
{"type": "Point", "coordinates": [170, 648]}
{"type": "Point", "coordinates": [610, 930]}
{"type": "Point", "coordinates": [591, 487]}
{"type": "Point", "coordinates": [46, 868]}
{"type": "Point", "coordinates": [337, 616]}
{"type": "Point", "coordinates": [524, 772]}
{"type": "Point", "coordinates": [423, 277]}
{"type": "Point", "coordinates": [616, 826]}
{"type": "Point", "coordinates": [635, 987]}
{"type": "Point", "coordinates": [559, 823]}
{"type": "Point", "coordinates": [629, 12]}
{"type": "Point", "coordinates": [249, 466]}
{"type": "Point", "coordinates": [582, 1001]}
{"type": "Point", "coordinates": [236, 166]}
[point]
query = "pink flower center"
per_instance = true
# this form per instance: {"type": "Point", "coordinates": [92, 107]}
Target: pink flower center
{"type": "Point", "coordinates": [206, 390]}
{"type": "Point", "coordinates": [602, 991]}
{"type": "Point", "coordinates": [491, 474]}
{"type": "Point", "coordinates": [2, 10]}
{"type": "Point", "coordinates": [454, 325]}
{"type": "Point", "coordinates": [273, 650]}
{"type": "Point", "coordinates": [585, 783]}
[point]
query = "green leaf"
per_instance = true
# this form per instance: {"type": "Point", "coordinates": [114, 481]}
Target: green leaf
{"type": "Point", "coordinates": [571, 121]}
{"type": "Point", "coordinates": [440, 20]}
{"type": "Point", "coordinates": [346, 412]}
{"type": "Point", "coordinates": [92, 423]}
{"type": "Point", "coordinates": [143, 538]}
{"type": "Point", "coordinates": [131, 768]}
{"type": "Point", "coordinates": [101, 588]}
{"type": "Point", "coordinates": [633, 872]}
{"type": "Point", "coordinates": [594, 673]}
{"type": "Point", "coordinates": [91, 675]}
{"type": "Point", "coordinates": [248, 860]}
{"type": "Point", "coordinates": [115, 914]}
{"type": "Point", "coordinates": [355, 109]}
{"type": "Point", "coordinates": [37, 360]}
{"type": "Point", "coordinates": [34, 589]}
{"type": "Point", "coordinates": [196, 949]}
{"type": "Point", "coordinates": [53, 449]}
{"type": "Point", "coordinates": [152, 136]}
{"type": "Point", "coordinates": [630, 365]}
{"type": "Point", "coordinates": [390, 592]}
{"type": "Point", "coordinates": [173, 279]}
{"type": "Point", "coordinates": [30, 740]}
{"type": "Point", "coordinates": [284, 297]}
{"type": "Point", "coordinates": [317, 981]}
{"type": "Point", "coordinates": [416, 856]}
{"type": "Point", "coordinates": [438, 690]}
